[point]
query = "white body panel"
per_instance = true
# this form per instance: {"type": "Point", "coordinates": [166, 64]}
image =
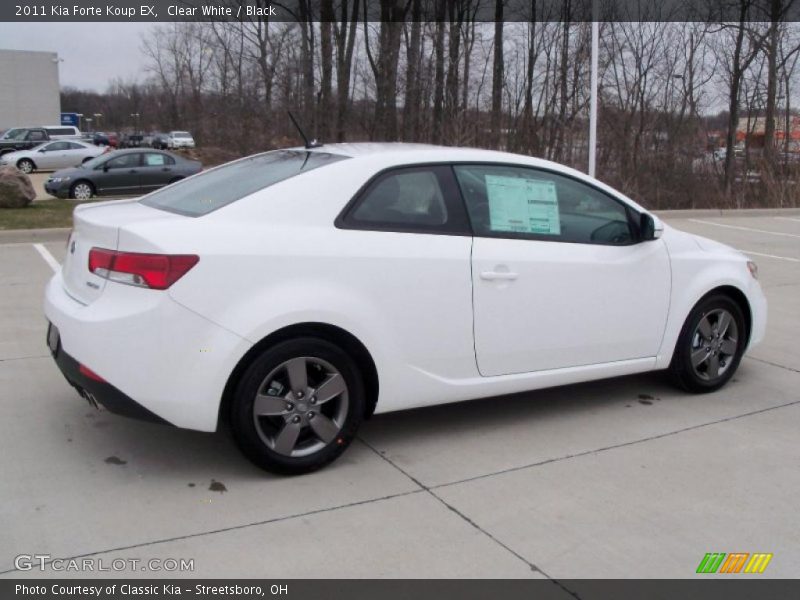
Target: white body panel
{"type": "Point", "coordinates": [275, 259]}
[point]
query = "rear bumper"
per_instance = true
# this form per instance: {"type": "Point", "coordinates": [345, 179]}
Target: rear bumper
{"type": "Point", "coordinates": [99, 393]}
{"type": "Point", "coordinates": [158, 358]}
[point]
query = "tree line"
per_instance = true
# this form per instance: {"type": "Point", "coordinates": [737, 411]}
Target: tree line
{"type": "Point", "coordinates": [431, 71]}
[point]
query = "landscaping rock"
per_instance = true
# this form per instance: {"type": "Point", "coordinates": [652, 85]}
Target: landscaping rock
{"type": "Point", "coordinates": [16, 189]}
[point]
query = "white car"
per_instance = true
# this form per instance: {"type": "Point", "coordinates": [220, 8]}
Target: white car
{"type": "Point", "coordinates": [60, 154]}
{"type": "Point", "coordinates": [180, 139]}
{"type": "Point", "coordinates": [294, 293]}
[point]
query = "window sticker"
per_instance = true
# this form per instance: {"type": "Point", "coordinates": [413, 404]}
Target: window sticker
{"type": "Point", "coordinates": [522, 205]}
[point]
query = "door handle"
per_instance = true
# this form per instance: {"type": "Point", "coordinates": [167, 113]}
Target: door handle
{"type": "Point", "coordinates": [133, 171]}
{"type": "Point", "coordinates": [498, 275]}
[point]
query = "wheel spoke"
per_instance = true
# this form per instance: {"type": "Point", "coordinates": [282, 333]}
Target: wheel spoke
{"type": "Point", "coordinates": [723, 323]}
{"type": "Point", "coordinates": [728, 347]}
{"type": "Point", "coordinates": [713, 367]}
{"type": "Point", "coordinates": [298, 376]}
{"type": "Point", "coordinates": [287, 438]}
{"type": "Point", "coordinates": [330, 388]}
{"type": "Point", "coordinates": [704, 327]}
{"type": "Point", "coordinates": [699, 356]}
{"type": "Point", "coordinates": [269, 405]}
{"type": "Point", "coordinates": [325, 429]}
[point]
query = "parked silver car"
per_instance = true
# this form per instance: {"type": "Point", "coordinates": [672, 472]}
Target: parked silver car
{"type": "Point", "coordinates": [59, 154]}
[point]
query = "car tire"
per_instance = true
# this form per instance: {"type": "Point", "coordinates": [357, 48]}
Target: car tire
{"type": "Point", "coordinates": [710, 346]}
{"type": "Point", "coordinates": [298, 406]}
{"type": "Point", "coordinates": [26, 165]}
{"type": "Point", "coordinates": [174, 179]}
{"type": "Point", "coordinates": [81, 190]}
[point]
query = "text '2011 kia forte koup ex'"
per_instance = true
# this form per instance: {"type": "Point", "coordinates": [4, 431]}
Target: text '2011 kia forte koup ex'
{"type": "Point", "coordinates": [296, 292]}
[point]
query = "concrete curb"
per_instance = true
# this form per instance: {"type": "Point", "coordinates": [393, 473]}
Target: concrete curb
{"type": "Point", "coordinates": [727, 212]}
{"type": "Point", "coordinates": [33, 236]}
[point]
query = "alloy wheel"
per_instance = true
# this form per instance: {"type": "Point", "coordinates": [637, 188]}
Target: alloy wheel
{"type": "Point", "coordinates": [26, 166]}
{"type": "Point", "coordinates": [82, 191]}
{"type": "Point", "coordinates": [714, 344]}
{"type": "Point", "coordinates": [301, 406]}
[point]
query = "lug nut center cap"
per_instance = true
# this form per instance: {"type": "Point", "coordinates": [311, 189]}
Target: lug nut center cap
{"type": "Point", "coordinates": [301, 407]}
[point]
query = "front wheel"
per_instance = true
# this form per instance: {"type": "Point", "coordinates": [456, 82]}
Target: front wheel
{"type": "Point", "coordinates": [298, 406]}
{"type": "Point", "coordinates": [26, 166]}
{"type": "Point", "coordinates": [710, 346]}
{"type": "Point", "coordinates": [82, 190]}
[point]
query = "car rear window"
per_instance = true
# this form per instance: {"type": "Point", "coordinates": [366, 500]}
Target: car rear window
{"type": "Point", "coordinates": [219, 187]}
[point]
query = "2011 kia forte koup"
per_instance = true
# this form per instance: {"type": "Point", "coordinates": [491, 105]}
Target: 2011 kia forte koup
{"type": "Point", "coordinates": [296, 292]}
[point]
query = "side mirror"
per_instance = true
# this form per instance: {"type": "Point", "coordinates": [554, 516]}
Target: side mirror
{"type": "Point", "coordinates": [42, 150]}
{"type": "Point", "coordinates": [105, 168]}
{"type": "Point", "coordinates": [650, 228]}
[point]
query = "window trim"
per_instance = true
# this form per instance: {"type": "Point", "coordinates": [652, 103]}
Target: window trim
{"type": "Point", "coordinates": [630, 212]}
{"type": "Point", "coordinates": [457, 224]}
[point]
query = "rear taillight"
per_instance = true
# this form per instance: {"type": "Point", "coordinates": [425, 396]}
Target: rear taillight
{"type": "Point", "coordinates": [155, 271]}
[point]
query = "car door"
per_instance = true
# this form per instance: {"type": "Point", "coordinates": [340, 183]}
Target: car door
{"type": "Point", "coordinates": [157, 170]}
{"type": "Point", "coordinates": [63, 155]}
{"type": "Point", "coordinates": [119, 175]}
{"type": "Point", "coordinates": [406, 249]}
{"type": "Point", "coordinates": [50, 156]}
{"type": "Point", "coordinates": [560, 278]}
{"type": "Point", "coordinates": [34, 138]}
{"type": "Point", "coordinates": [74, 155]}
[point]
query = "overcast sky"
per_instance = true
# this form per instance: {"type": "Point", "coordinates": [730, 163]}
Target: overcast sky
{"type": "Point", "coordinates": [93, 53]}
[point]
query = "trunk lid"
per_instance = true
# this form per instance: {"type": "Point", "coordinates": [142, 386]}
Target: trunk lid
{"type": "Point", "coordinates": [98, 225]}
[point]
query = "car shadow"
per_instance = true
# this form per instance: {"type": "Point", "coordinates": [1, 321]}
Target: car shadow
{"type": "Point", "coordinates": [498, 411]}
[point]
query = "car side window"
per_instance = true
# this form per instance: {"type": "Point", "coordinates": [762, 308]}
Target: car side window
{"type": "Point", "coordinates": [57, 146]}
{"type": "Point", "coordinates": [521, 202]}
{"type": "Point", "coordinates": [153, 159]}
{"type": "Point", "coordinates": [36, 136]}
{"type": "Point", "coordinates": [74, 146]}
{"type": "Point", "coordinates": [409, 199]}
{"type": "Point", "coordinates": [126, 161]}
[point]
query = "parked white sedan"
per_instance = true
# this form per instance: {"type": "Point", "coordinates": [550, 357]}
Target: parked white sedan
{"type": "Point", "coordinates": [60, 154]}
{"type": "Point", "coordinates": [296, 292]}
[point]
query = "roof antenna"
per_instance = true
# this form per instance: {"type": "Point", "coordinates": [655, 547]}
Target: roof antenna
{"type": "Point", "coordinates": [313, 143]}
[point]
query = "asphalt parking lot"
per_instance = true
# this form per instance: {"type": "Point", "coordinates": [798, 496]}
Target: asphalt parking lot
{"type": "Point", "coordinates": [620, 478]}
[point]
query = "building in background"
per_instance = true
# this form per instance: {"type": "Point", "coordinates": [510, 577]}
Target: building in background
{"type": "Point", "coordinates": [751, 129]}
{"type": "Point", "coordinates": [29, 89]}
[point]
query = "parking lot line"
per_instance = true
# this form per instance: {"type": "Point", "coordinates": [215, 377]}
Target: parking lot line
{"type": "Point", "coordinates": [780, 233]}
{"type": "Point", "coordinates": [787, 219]}
{"type": "Point", "coordinates": [770, 256]}
{"type": "Point", "coordinates": [48, 258]}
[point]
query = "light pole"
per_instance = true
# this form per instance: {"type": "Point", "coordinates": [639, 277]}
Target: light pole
{"type": "Point", "coordinates": [593, 92]}
{"type": "Point", "coordinates": [89, 124]}
{"type": "Point", "coordinates": [97, 116]}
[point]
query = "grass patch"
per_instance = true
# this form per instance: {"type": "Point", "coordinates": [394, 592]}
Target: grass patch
{"type": "Point", "coordinates": [44, 214]}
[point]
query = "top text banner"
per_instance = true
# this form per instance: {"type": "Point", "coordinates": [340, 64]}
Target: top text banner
{"type": "Point", "coordinates": [28, 11]}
